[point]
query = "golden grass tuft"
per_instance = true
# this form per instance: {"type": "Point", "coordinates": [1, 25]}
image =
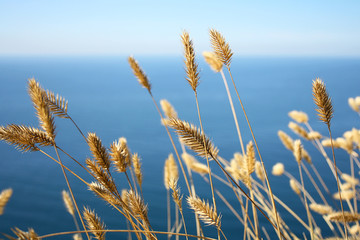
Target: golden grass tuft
{"type": "Point", "coordinates": [221, 47]}
{"type": "Point", "coordinates": [339, 217]}
{"type": "Point", "coordinates": [68, 203]}
{"type": "Point", "coordinates": [168, 109]}
{"type": "Point", "coordinates": [98, 151]}
{"type": "Point", "coordinates": [322, 101]}
{"type": "Point", "coordinates": [139, 74]}
{"type": "Point", "coordinates": [191, 67]}
{"type": "Point", "coordinates": [286, 140]}
{"type": "Point", "coordinates": [120, 154]}
{"type": "Point", "coordinates": [22, 235]}
{"type": "Point", "coordinates": [345, 195]}
{"type": "Point", "coordinates": [299, 116]}
{"type": "Point", "coordinates": [137, 168]}
{"type": "Point", "coordinates": [320, 208]}
{"type": "Point", "coordinates": [213, 60]}
{"type": "Point", "coordinates": [298, 130]}
{"type": "Point", "coordinates": [278, 169]}
{"type": "Point", "coordinates": [5, 196]}
{"type": "Point", "coordinates": [94, 223]}
{"type": "Point", "coordinates": [57, 104]}
{"type": "Point", "coordinates": [205, 212]}
{"type": "Point", "coordinates": [295, 186]}
{"type": "Point", "coordinates": [192, 137]}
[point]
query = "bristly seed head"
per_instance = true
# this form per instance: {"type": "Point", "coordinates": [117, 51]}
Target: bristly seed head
{"type": "Point", "coordinates": [191, 67]}
{"type": "Point", "coordinates": [139, 74]}
{"type": "Point", "coordinates": [322, 101]}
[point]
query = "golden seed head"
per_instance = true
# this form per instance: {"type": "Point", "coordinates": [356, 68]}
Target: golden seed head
{"type": "Point", "coordinates": [68, 203]}
{"type": "Point", "coordinates": [94, 223]}
{"type": "Point", "coordinates": [139, 74]}
{"type": "Point", "coordinates": [350, 179]}
{"type": "Point", "coordinates": [345, 195]}
{"type": "Point", "coordinates": [206, 212]}
{"type": "Point", "coordinates": [313, 135]}
{"type": "Point", "coordinates": [320, 208]}
{"type": "Point", "coordinates": [188, 159]}
{"type": "Point", "coordinates": [295, 186]}
{"type": "Point", "coordinates": [5, 196]}
{"type": "Point", "coordinates": [299, 116]}
{"type": "Point", "coordinates": [341, 216]}
{"type": "Point", "coordinates": [278, 169]}
{"type": "Point", "coordinates": [286, 140]}
{"type": "Point", "coordinates": [354, 105]}
{"type": "Point", "coordinates": [298, 130]}
{"type": "Point", "coordinates": [168, 109]}
{"type": "Point", "coordinates": [191, 67]}
{"type": "Point", "coordinates": [258, 171]}
{"type": "Point", "coordinates": [322, 101]}
{"type": "Point", "coordinates": [213, 60]}
{"type": "Point", "coordinates": [221, 47]}
{"type": "Point", "coordinates": [120, 154]}
{"type": "Point", "coordinates": [298, 150]}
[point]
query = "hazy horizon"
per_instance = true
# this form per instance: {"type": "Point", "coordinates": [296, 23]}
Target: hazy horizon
{"type": "Point", "coordinates": [261, 28]}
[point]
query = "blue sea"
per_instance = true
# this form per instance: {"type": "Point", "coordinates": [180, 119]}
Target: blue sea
{"type": "Point", "coordinates": [105, 98]}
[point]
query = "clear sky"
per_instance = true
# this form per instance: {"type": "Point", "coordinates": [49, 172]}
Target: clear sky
{"type": "Point", "coordinates": [253, 27]}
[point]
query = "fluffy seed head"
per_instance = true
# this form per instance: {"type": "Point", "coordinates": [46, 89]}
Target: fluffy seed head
{"type": "Point", "coordinates": [353, 104]}
{"type": "Point", "coordinates": [168, 109]}
{"type": "Point", "coordinates": [68, 203]}
{"type": "Point", "coordinates": [299, 116]}
{"type": "Point", "coordinates": [221, 47]}
{"type": "Point", "coordinates": [298, 150]}
{"type": "Point", "coordinates": [298, 130]}
{"type": "Point", "coordinates": [345, 195]}
{"type": "Point", "coordinates": [98, 151]}
{"type": "Point", "coordinates": [94, 223]}
{"type": "Point", "coordinates": [120, 154]}
{"type": "Point", "coordinates": [313, 135]}
{"type": "Point", "coordinates": [258, 171]}
{"type": "Point", "coordinates": [5, 196]}
{"type": "Point", "coordinates": [206, 213]}
{"type": "Point", "coordinates": [320, 208]}
{"type": "Point", "coordinates": [339, 217]}
{"type": "Point", "coordinates": [286, 140]}
{"type": "Point", "coordinates": [213, 60]}
{"type": "Point", "coordinates": [295, 186]}
{"type": "Point", "coordinates": [191, 67]}
{"type": "Point", "coordinates": [278, 169]}
{"type": "Point", "coordinates": [350, 179]}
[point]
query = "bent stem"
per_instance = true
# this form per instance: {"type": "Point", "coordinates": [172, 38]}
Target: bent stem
{"type": "Point", "coordinates": [261, 160]}
{"type": "Point", "coordinates": [207, 159]}
{"type": "Point", "coordinates": [337, 181]}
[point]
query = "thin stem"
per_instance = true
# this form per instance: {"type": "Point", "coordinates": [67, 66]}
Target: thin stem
{"type": "Point", "coordinates": [70, 190]}
{"type": "Point", "coordinates": [337, 181]}
{"type": "Point", "coordinates": [314, 183]}
{"type": "Point", "coordinates": [168, 212]}
{"type": "Point", "coordinates": [306, 204]}
{"type": "Point", "coordinates": [207, 158]}
{"type": "Point", "coordinates": [261, 160]}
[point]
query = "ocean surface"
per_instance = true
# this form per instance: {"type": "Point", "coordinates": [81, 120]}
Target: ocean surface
{"type": "Point", "coordinates": [105, 98]}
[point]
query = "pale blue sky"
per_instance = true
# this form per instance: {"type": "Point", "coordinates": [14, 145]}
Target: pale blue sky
{"type": "Point", "coordinates": [320, 28]}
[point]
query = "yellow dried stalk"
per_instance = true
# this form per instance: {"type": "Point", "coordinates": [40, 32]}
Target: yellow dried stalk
{"type": "Point", "coordinates": [41, 105]}
{"type": "Point", "coordinates": [5, 196]}
{"type": "Point", "coordinates": [94, 224]}
{"type": "Point", "coordinates": [299, 116]}
{"type": "Point", "coordinates": [139, 74]}
{"type": "Point", "coordinates": [221, 47]}
{"type": "Point", "coordinates": [24, 138]}
{"type": "Point", "coordinates": [68, 203]}
{"type": "Point", "coordinates": [191, 67]}
{"type": "Point", "coordinates": [213, 60]}
{"type": "Point", "coordinates": [320, 208]}
{"type": "Point", "coordinates": [192, 137]}
{"type": "Point", "coordinates": [98, 151]}
{"type": "Point", "coordinates": [205, 212]}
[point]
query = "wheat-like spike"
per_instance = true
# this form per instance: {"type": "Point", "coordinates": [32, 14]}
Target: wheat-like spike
{"type": "Point", "coordinates": [137, 168]}
{"type": "Point", "coordinates": [250, 158]}
{"type": "Point", "coordinates": [286, 140]}
{"type": "Point", "coordinates": [41, 105]}
{"type": "Point", "coordinates": [221, 47]}
{"type": "Point", "coordinates": [137, 206]}
{"type": "Point", "coordinates": [298, 150]}
{"type": "Point", "coordinates": [139, 74]}
{"type": "Point", "coordinates": [120, 154]}
{"type": "Point", "coordinates": [176, 192]}
{"type": "Point", "coordinates": [323, 101]}
{"type": "Point", "coordinates": [5, 196]}
{"type": "Point", "coordinates": [258, 171]}
{"type": "Point", "coordinates": [22, 235]}
{"type": "Point", "coordinates": [57, 104]}
{"type": "Point", "coordinates": [339, 217]}
{"type": "Point", "coordinates": [205, 212]}
{"type": "Point", "coordinates": [24, 138]}
{"type": "Point", "coordinates": [298, 130]}
{"type": "Point", "coordinates": [101, 175]}
{"type": "Point", "coordinates": [98, 151]}
{"type": "Point", "coordinates": [104, 194]}
{"type": "Point", "coordinates": [68, 202]}
{"type": "Point", "coordinates": [295, 186]}
{"type": "Point", "coordinates": [168, 109]}
{"type": "Point", "coordinates": [191, 67]}
{"type": "Point", "coordinates": [320, 208]}
{"type": "Point", "coordinates": [94, 223]}
{"type": "Point", "coordinates": [213, 60]}
{"type": "Point", "coordinates": [192, 137]}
